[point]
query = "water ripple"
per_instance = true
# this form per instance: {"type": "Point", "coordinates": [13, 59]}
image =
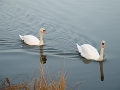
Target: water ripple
{"type": "Point", "coordinates": [15, 21]}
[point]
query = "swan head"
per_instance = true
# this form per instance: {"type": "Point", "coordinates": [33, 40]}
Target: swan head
{"type": "Point", "coordinates": [43, 30]}
{"type": "Point", "coordinates": [103, 43]}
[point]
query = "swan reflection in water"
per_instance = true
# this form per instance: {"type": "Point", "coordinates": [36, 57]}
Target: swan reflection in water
{"type": "Point", "coordinates": [43, 58]}
{"type": "Point", "coordinates": [101, 70]}
{"type": "Point", "coordinates": [100, 64]}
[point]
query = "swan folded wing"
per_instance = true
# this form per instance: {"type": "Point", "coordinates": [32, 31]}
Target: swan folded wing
{"type": "Point", "coordinates": [21, 36]}
{"type": "Point", "coordinates": [89, 52]}
{"type": "Point", "coordinates": [79, 48]}
{"type": "Point", "coordinates": [31, 40]}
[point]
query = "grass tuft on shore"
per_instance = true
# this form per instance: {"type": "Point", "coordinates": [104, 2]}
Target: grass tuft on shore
{"type": "Point", "coordinates": [42, 82]}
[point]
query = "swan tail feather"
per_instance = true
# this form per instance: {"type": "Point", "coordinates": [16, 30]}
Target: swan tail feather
{"type": "Point", "coordinates": [79, 48]}
{"type": "Point", "coordinates": [20, 36]}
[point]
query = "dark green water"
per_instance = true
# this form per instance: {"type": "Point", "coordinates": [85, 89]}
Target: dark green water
{"type": "Point", "coordinates": [67, 22]}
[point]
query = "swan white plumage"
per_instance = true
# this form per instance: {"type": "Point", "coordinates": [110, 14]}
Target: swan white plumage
{"type": "Point", "coordinates": [32, 40]}
{"type": "Point", "coordinates": [89, 52]}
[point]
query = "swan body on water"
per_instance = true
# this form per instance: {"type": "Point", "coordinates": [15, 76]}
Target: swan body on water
{"type": "Point", "coordinates": [89, 52]}
{"type": "Point", "coordinates": [32, 40]}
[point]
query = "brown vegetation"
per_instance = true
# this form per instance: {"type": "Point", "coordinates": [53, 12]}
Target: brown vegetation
{"type": "Point", "coordinates": [43, 82]}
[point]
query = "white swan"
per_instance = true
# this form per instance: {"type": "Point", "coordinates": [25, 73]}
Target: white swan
{"type": "Point", "coordinates": [32, 40]}
{"type": "Point", "coordinates": [89, 52]}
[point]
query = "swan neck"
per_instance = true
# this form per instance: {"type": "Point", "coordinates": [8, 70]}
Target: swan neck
{"type": "Point", "coordinates": [41, 39]}
{"type": "Point", "coordinates": [101, 54]}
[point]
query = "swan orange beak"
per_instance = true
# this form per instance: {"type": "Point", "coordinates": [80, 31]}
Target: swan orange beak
{"type": "Point", "coordinates": [44, 31]}
{"type": "Point", "coordinates": [103, 45]}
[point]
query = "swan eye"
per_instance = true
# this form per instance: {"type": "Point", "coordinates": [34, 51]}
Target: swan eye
{"type": "Point", "coordinates": [103, 43]}
{"type": "Point", "coordinates": [44, 31]}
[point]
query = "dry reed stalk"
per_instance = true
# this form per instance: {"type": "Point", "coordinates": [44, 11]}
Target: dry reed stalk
{"type": "Point", "coordinates": [23, 86]}
{"type": "Point", "coordinates": [43, 82]}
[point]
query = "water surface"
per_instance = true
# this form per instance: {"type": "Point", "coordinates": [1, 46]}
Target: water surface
{"type": "Point", "coordinates": [67, 23]}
